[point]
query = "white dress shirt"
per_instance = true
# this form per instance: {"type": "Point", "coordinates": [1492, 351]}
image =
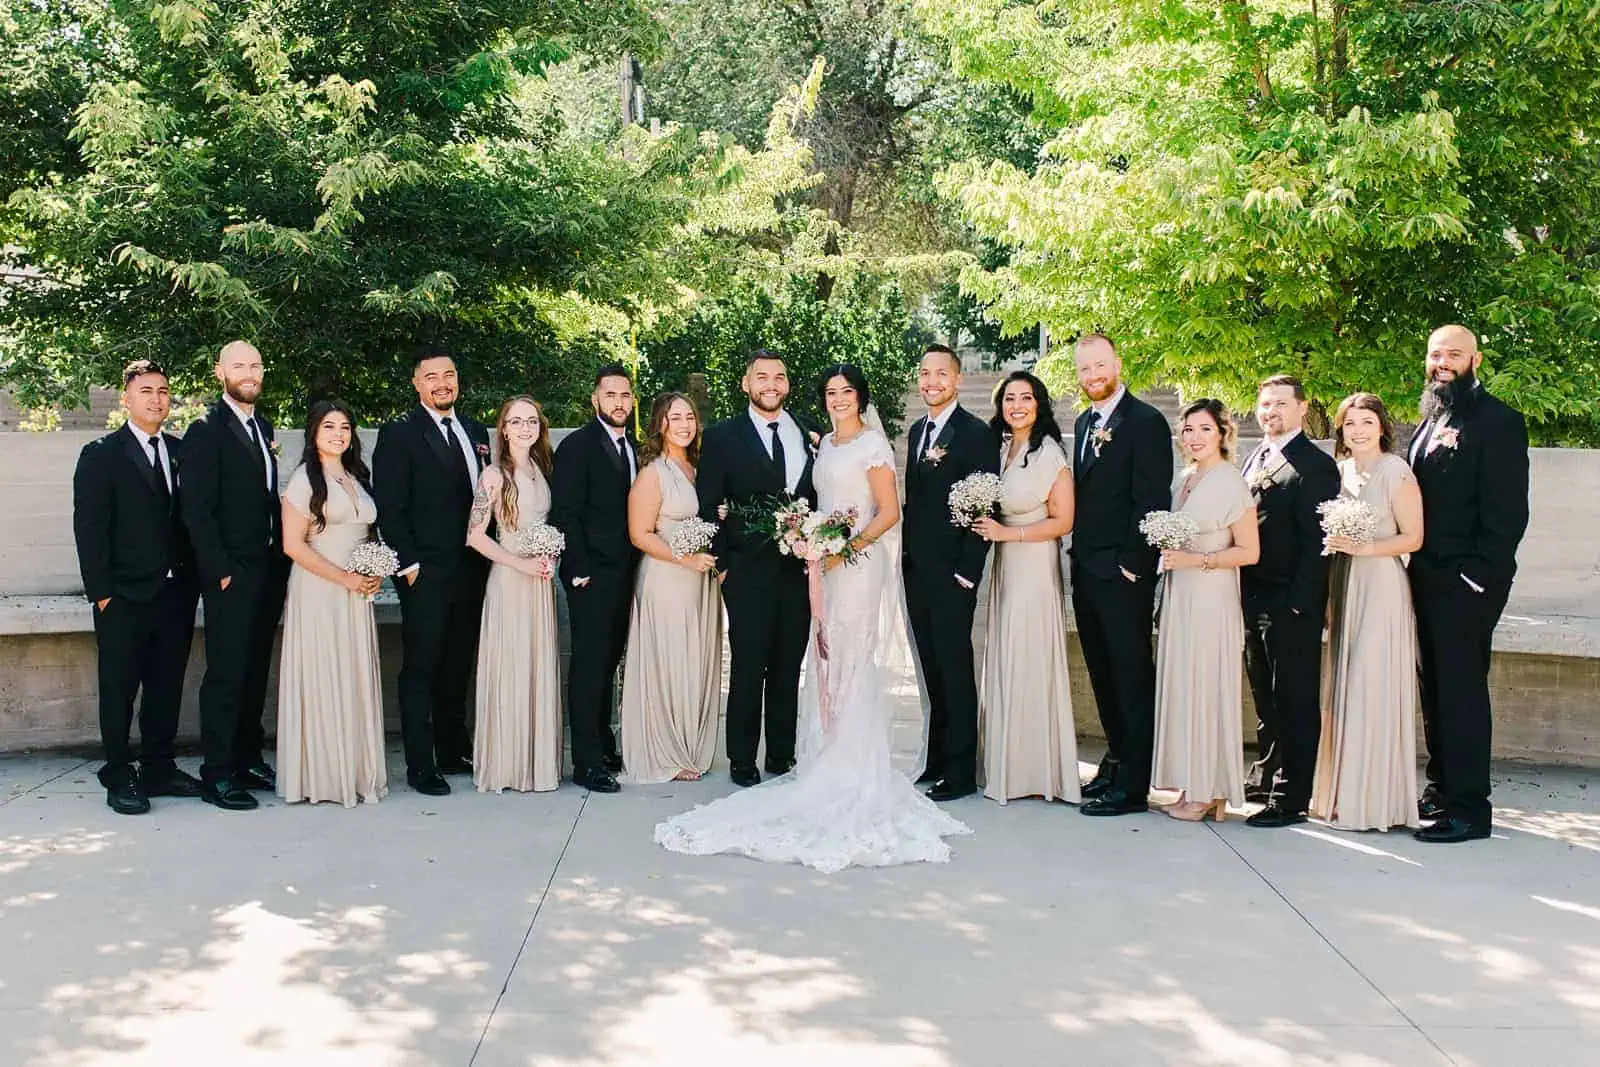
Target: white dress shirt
{"type": "Point", "coordinates": [463, 442]}
{"type": "Point", "coordinates": [1270, 452]}
{"type": "Point", "coordinates": [935, 427]}
{"type": "Point", "coordinates": [794, 444]}
{"type": "Point", "coordinates": [621, 435]}
{"type": "Point", "coordinates": [247, 420]}
{"type": "Point", "coordinates": [1102, 411]}
{"type": "Point", "coordinates": [144, 440]}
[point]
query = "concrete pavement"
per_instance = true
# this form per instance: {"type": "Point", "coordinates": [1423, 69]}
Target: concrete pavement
{"type": "Point", "coordinates": [548, 931]}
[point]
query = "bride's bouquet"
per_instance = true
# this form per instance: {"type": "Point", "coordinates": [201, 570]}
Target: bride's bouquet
{"type": "Point", "coordinates": [973, 497]}
{"type": "Point", "coordinates": [1346, 516]}
{"type": "Point", "coordinates": [691, 537]}
{"type": "Point", "coordinates": [802, 533]}
{"type": "Point", "coordinates": [538, 540]}
{"type": "Point", "coordinates": [1168, 530]}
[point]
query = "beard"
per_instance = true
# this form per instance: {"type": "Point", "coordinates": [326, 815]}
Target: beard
{"type": "Point", "coordinates": [761, 405]}
{"type": "Point", "coordinates": [1441, 398]}
{"type": "Point", "coordinates": [618, 422]}
{"type": "Point", "coordinates": [1104, 393]}
{"type": "Point", "coordinates": [241, 393]}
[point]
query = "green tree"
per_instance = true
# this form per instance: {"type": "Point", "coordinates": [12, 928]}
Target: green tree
{"type": "Point", "coordinates": [339, 181]}
{"type": "Point", "coordinates": [1246, 186]}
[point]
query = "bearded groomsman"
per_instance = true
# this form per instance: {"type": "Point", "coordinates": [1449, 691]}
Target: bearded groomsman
{"type": "Point", "coordinates": [1285, 595]}
{"type": "Point", "coordinates": [424, 475]}
{"type": "Point", "coordinates": [595, 466]}
{"type": "Point", "coordinates": [1122, 472]}
{"type": "Point", "coordinates": [943, 564]}
{"type": "Point", "coordinates": [1470, 456]}
{"type": "Point", "coordinates": [230, 506]}
{"type": "Point", "coordinates": [138, 572]}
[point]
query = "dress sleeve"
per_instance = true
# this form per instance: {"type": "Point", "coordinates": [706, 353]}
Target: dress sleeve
{"type": "Point", "coordinates": [1240, 500]}
{"type": "Point", "coordinates": [1399, 474]}
{"type": "Point", "coordinates": [879, 452]}
{"type": "Point", "coordinates": [298, 491]}
{"type": "Point", "coordinates": [1052, 461]}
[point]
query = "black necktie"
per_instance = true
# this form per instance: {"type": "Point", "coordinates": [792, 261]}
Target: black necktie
{"type": "Point", "coordinates": [927, 441]}
{"type": "Point", "coordinates": [454, 442]}
{"type": "Point", "coordinates": [622, 451]}
{"type": "Point", "coordinates": [1088, 436]}
{"type": "Point", "coordinates": [255, 439]}
{"type": "Point", "coordinates": [779, 460]}
{"type": "Point", "coordinates": [155, 462]}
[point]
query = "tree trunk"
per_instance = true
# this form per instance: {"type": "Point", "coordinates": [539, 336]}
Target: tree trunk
{"type": "Point", "coordinates": [1238, 13]}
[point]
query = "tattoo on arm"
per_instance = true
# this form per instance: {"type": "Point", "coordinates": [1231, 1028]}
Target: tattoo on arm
{"type": "Point", "coordinates": [480, 507]}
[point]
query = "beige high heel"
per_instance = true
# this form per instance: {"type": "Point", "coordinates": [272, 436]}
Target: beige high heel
{"type": "Point", "coordinates": [1194, 811]}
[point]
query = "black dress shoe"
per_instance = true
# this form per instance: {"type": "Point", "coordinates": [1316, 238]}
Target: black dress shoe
{"type": "Point", "coordinates": [1115, 802]}
{"type": "Point", "coordinates": [597, 780]}
{"type": "Point", "coordinates": [455, 765]}
{"type": "Point", "coordinates": [1104, 778]}
{"type": "Point", "coordinates": [1430, 807]}
{"type": "Point", "coordinates": [929, 776]}
{"type": "Point", "coordinates": [228, 795]}
{"type": "Point", "coordinates": [258, 778]}
{"type": "Point", "coordinates": [1451, 831]}
{"type": "Point", "coordinates": [612, 764]}
{"type": "Point", "coordinates": [944, 789]}
{"type": "Point", "coordinates": [780, 766]}
{"type": "Point", "coordinates": [165, 780]}
{"type": "Point", "coordinates": [744, 774]}
{"type": "Point", "coordinates": [1272, 817]}
{"type": "Point", "coordinates": [428, 783]}
{"type": "Point", "coordinates": [124, 796]}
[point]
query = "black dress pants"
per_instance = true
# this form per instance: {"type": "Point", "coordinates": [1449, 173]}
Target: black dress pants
{"type": "Point", "coordinates": [769, 626]}
{"type": "Point", "coordinates": [241, 622]}
{"type": "Point", "coordinates": [940, 612]}
{"type": "Point", "coordinates": [143, 652]}
{"type": "Point", "coordinates": [1283, 662]}
{"type": "Point", "coordinates": [598, 614]}
{"type": "Point", "coordinates": [440, 616]}
{"type": "Point", "coordinates": [1114, 629]}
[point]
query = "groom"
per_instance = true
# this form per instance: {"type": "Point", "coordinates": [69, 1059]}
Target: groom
{"type": "Point", "coordinates": [761, 452]}
{"type": "Point", "coordinates": [943, 564]}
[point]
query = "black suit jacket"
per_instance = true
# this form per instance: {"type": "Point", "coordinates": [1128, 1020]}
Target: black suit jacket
{"type": "Point", "coordinates": [231, 512]}
{"type": "Point", "coordinates": [736, 468]}
{"type": "Point", "coordinates": [424, 502]}
{"type": "Point", "coordinates": [1292, 572]}
{"type": "Point", "coordinates": [932, 541]}
{"type": "Point", "coordinates": [1475, 496]}
{"type": "Point", "coordinates": [128, 530]}
{"type": "Point", "coordinates": [589, 504]}
{"type": "Point", "coordinates": [1129, 478]}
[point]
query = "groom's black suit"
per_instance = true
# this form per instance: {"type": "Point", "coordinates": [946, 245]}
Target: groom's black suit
{"type": "Point", "coordinates": [1475, 511]}
{"type": "Point", "coordinates": [769, 607]}
{"type": "Point", "coordinates": [424, 493]}
{"type": "Point", "coordinates": [1129, 476]}
{"type": "Point", "coordinates": [1285, 596]}
{"type": "Point", "coordinates": [939, 607]}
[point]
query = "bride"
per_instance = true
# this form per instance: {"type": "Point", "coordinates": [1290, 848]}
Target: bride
{"type": "Point", "coordinates": [844, 804]}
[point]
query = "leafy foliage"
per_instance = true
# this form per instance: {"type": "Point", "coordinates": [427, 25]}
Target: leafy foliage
{"type": "Point", "coordinates": [1238, 188]}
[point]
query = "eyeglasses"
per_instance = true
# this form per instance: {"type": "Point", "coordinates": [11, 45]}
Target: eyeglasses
{"type": "Point", "coordinates": [520, 424]}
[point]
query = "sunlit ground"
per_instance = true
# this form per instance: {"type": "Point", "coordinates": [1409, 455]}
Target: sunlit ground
{"type": "Point", "coordinates": [547, 931]}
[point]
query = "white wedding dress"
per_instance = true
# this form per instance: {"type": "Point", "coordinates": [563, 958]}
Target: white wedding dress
{"type": "Point", "coordinates": [844, 804]}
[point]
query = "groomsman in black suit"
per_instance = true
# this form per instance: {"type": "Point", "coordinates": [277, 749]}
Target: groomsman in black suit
{"type": "Point", "coordinates": [594, 468]}
{"type": "Point", "coordinates": [424, 475]}
{"type": "Point", "coordinates": [759, 453]}
{"type": "Point", "coordinates": [1285, 597]}
{"type": "Point", "coordinates": [230, 505]}
{"type": "Point", "coordinates": [1122, 472]}
{"type": "Point", "coordinates": [138, 572]}
{"type": "Point", "coordinates": [1470, 456]}
{"type": "Point", "coordinates": [943, 564]}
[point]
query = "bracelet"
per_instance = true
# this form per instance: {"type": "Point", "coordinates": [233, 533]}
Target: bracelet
{"type": "Point", "coordinates": [1205, 562]}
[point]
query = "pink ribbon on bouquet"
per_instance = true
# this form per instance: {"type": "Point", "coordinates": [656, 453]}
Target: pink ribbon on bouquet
{"type": "Point", "coordinates": [814, 585]}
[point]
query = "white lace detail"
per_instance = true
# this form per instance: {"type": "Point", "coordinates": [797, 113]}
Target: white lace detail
{"type": "Point", "coordinates": [844, 805]}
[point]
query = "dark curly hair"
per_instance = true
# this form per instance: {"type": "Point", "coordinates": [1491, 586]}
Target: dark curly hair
{"type": "Point", "coordinates": [1044, 421]}
{"type": "Point", "coordinates": [1362, 402]}
{"type": "Point", "coordinates": [311, 459]}
{"type": "Point", "coordinates": [850, 373]}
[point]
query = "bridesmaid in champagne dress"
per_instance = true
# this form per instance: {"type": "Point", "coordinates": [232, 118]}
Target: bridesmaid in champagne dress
{"type": "Point", "coordinates": [1029, 743]}
{"type": "Point", "coordinates": [1200, 648]}
{"type": "Point", "coordinates": [517, 740]}
{"type": "Point", "coordinates": [330, 706]}
{"type": "Point", "coordinates": [1367, 761]}
{"type": "Point", "coordinates": [672, 683]}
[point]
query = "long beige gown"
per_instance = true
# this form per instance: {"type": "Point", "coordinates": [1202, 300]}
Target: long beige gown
{"type": "Point", "coordinates": [1200, 651]}
{"type": "Point", "coordinates": [517, 740]}
{"type": "Point", "coordinates": [1029, 745]}
{"type": "Point", "coordinates": [1367, 760]}
{"type": "Point", "coordinates": [672, 683]}
{"type": "Point", "coordinates": [330, 702]}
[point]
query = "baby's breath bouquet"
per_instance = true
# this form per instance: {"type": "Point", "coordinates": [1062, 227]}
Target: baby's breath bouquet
{"type": "Point", "coordinates": [1347, 516]}
{"type": "Point", "coordinates": [373, 559]}
{"type": "Point", "coordinates": [539, 540]}
{"type": "Point", "coordinates": [1168, 530]}
{"type": "Point", "coordinates": [692, 536]}
{"type": "Point", "coordinates": [973, 497]}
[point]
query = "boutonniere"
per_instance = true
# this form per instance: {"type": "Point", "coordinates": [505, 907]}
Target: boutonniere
{"type": "Point", "coordinates": [816, 440]}
{"type": "Point", "coordinates": [933, 456]}
{"type": "Point", "coordinates": [1261, 480]}
{"type": "Point", "coordinates": [483, 452]}
{"type": "Point", "coordinates": [273, 447]}
{"type": "Point", "coordinates": [1445, 437]}
{"type": "Point", "coordinates": [1102, 437]}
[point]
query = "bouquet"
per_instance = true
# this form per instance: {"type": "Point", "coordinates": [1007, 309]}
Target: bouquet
{"type": "Point", "coordinates": [692, 536]}
{"type": "Point", "coordinates": [801, 532]}
{"type": "Point", "coordinates": [973, 497]}
{"type": "Point", "coordinates": [373, 559]}
{"type": "Point", "coordinates": [540, 540]}
{"type": "Point", "coordinates": [1168, 530]}
{"type": "Point", "coordinates": [1346, 516]}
